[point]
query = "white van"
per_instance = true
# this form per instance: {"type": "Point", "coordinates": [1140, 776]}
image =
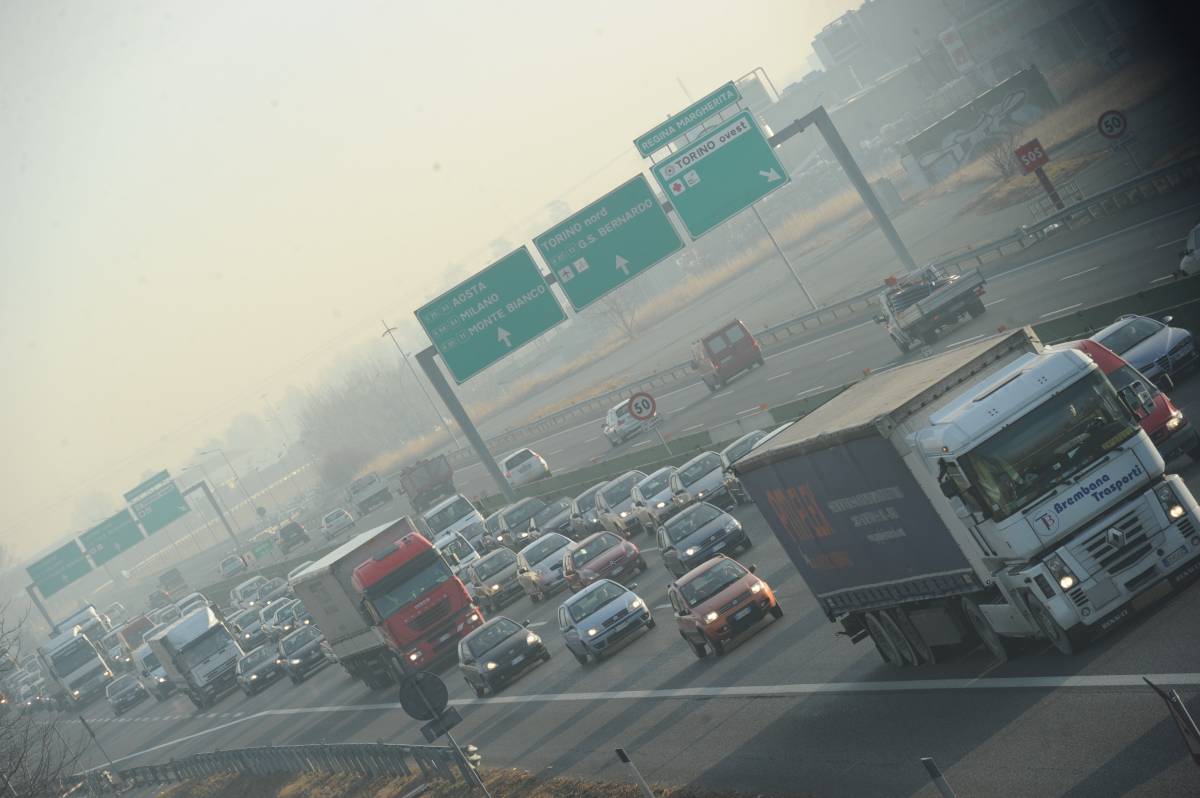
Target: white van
{"type": "Point", "coordinates": [451, 515]}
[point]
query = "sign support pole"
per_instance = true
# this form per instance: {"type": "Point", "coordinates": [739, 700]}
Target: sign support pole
{"type": "Point", "coordinates": [425, 359]}
{"type": "Point", "coordinates": [1049, 188]}
{"type": "Point", "coordinates": [203, 485]}
{"type": "Point", "coordinates": [36, 600]}
{"type": "Point", "coordinates": [786, 262]}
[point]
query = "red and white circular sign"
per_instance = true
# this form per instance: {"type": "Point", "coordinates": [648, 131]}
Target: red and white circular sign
{"type": "Point", "coordinates": [641, 406]}
{"type": "Point", "coordinates": [1112, 124]}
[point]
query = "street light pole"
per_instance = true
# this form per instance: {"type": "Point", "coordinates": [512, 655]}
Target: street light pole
{"type": "Point", "coordinates": [390, 332]}
{"type": "Point", "coordinates": [219, 498]}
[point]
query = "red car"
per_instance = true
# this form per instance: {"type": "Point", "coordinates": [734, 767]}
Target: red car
{"type": "Point", "coordinates": [1158, 415]}
{"type": "Point", "coordinates": [601, 556]}
{"type": "Point", "coordinates": [718, 601]}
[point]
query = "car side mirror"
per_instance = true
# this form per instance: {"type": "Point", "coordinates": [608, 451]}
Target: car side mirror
{"type": "Point", "coordinates": [526, 622]}
{"type": "Point", "coordinates": [1168, 319]}
{"type": "Point", "coordinates": [881, 319]}
{"type": "Point", "coordinates": [753, 568]}
{"type": "Point", "coordinates": [668, 549]}
{"type": "Point", "coordinates": [949, 487]}
{"type": "Point", "coordinates": [681, 613]}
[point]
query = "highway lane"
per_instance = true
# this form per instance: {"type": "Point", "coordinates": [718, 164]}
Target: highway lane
{"type": "Point", "coordinates": [1113, 263]}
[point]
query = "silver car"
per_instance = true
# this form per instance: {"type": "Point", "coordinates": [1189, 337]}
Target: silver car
{"type": "Point", "coordinates": [336, 522]}
{"type": "Point", "coordinates": [652, 499]}
{"type": "Point", "coordinates": [493, 579]}
{"type": "Point", "coordinates": [600, 618]}
{"type": "Point", "coordinates": [701, 479]}
{"type": "Point", "coordinates": [523, 467]}
{"type": "Point", "coordinates": [614, 504]}
{"type": "Point", "coordinates": [620, 425]}
{"type": "Point", "coordinates": [1158, 351]}
{"type": "Point", "coordinates": [540, 565]}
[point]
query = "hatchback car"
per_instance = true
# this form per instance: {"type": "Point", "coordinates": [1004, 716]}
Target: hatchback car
{"type": "Point", "coordinates": [698, 534]}
{"type": "Point", "coordinates": [620, 425]}
{"type": "Point", "coordinates": [719, 601]}
{"type": "Point", "coordinates": [497, 653]}
{"type": "Point", "coordinates": [301, 654]}
{"type": "Point", "coordinates": [125, 692]}
{"type": "Point", "coordinates": [601, 617]}
{"type": "Point", "coordinates": [601, 556]}
{"type": "Point", "coordinates": [273, 589]}
{"type": "Point", "coordinates": [1189, 258]}
{"type": "Point", "coordinates": [493, 579]}
{"type": "Point", "coordinates": [457, 552]}
{"type": "Point", "coordinates": [232, 566]}
{"type": "Point", "coordinates": [1158, 351]}
{"type": "Point", "coordinates": [249, 629]}
{"type": "Point", "coordinates": [585, 518]}
{"type": "Point", "coordinates": [258, 669]}
{"type": "Point", "coordinates": [523, 467]}
{"type": "Point", "coordinates": [701, 479]}
{"type": "Point", "coordinates": [554, 517]}
{"type": "Point", "coordinates": [336, 522]}
{"type": "Point", "coordinates": [291, 536]}
{"type": "Point", "coordinates": [514, 522]}
{"type": "Point", "coordinates": [652, 499]}
{"type": "Point", "coordinates": [722, 355]}
{"type": "Point", "coordinates": [540, 565]}
{"type": "Point", "coordinates": [614, 504]}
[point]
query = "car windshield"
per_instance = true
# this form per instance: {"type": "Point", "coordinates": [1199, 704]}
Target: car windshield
{"type": "Point", "coordinates": [492, 523]}
{"type": "Point", "coordinates": [1048, 445]}
{"type": "Point", "coordinates": [655, 483]}
{"type": "Point", "coordinates": [592, 549]}
{"type": "Point", "coordinates": [492, 635]}
{"type": "Point", "coordinates": [542, 548]}
{"type": "Point", "coordinates": [230, 562]}
{"type": "Point", "coordinates": [586, 604]}
{"type": "Point", "coordinates": [1130, 334]}
{"type": "Point", "coordinates": [459, 508]}
{"type": "Point", "coordinates": [691, 519]}
{"type": "Point", "coordinates": [120, 683]}
{"type": "Point", "coordinates": [709, 583]}
{"type": "Point", "coordinates": [519, 514]}
{"type": "Point", "coordinates": [587, 500]}
{"type": "Point", "coordinates": [618, 490]}
{"type": "Point", "coordinates": [408, 583]}
{"type": "Point", "coordinates": [494, 563]}
{"type": "Point", "coordinates": [111, 640]}
{"type": "Point", "coordinates": [548, 513]}
{"type": "Point", "coordinates": [456, 550]}
{"type": "Point", "coordinates": [255, 658]}
{"type": "Point", "coordinates": [740, 447]}
{"type": "Point", "coordinates": [334, 516]}
{"type": "Point", "coordinates": [297, 640]}
{"type": "Point", "coordinates": [244, 618]}
{"type": "Point", "coordinates": [698, 467]}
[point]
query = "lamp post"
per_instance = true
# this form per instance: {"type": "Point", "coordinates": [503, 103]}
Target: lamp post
{"type": "Point", "coordinates": [390, 332]}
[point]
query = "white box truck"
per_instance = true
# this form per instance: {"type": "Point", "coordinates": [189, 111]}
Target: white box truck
{"type": "Point", "coordinates": [997, 490]}
{"type": "Point", "coordinates": [77, 671]}
{"type": "Point", "coordinates": [199, 655]}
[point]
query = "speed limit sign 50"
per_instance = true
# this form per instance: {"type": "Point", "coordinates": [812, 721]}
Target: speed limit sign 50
{"type": "Point", "coordinates": [1112, 124]}
{"type": "Point", "coordinates": [641, 406]}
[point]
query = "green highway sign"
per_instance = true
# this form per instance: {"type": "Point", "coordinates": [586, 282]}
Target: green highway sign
{"type": "Point", "coordinates": [654, 140]}
{"type": "Point", "coordinates": [263, 548]}
{"type": "Point", "coordinates": [609, 242]}
{"type": "Point", "coordinates": [486, 317]}
{"type": "Point", "coordinates": [111, 537]}
{"type": "Point", "coordinates": [156, 502]}
{"type": "Point", "coordinates": [59, 568]}
{"type": "Point", "coordinates": [726, 170]}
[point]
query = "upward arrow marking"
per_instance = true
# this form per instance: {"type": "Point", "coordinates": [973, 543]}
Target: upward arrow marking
{"type": "Point", "coordinates": [623, 265]}
{"type": "Point", "coordinates": [771, 176]}
{"type": "Point", "coordinates": [502, 335]}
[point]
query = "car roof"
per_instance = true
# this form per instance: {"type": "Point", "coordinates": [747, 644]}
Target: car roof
{"type": "Point", "coordinates": [304, 631]}
{"type": "Point", "coordinates": [547, 536]}
{"type": "Point", "coordinates": [657, 472]}
{"type": "Point", "coordinates": [446, 502]}
{"type": "Point", "coordinates": [699, 457]}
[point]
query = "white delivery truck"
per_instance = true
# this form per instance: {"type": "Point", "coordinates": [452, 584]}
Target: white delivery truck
{"type": "Point", "coordinates": [996, 490]}
{"type": "Point", "coordinates": [76, 670]}
{"type": "Point", "coordinates": [199, 655]}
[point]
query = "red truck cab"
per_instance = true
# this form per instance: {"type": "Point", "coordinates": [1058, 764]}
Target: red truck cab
{"type": "Point", "coordinates": [1157, 414]}
{"type": "Point", "coordinates": [421, 607]}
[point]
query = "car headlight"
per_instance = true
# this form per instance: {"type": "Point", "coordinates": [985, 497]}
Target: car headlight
{"type": "Point", "coordinates": [75, 693]}
{"type": "Point", "coordinates": [246, 635]}
{"type": "Point", "coordinates": [491, 666]}
{"type": "Point", "coordinates": [635, 604]}
{"type": "Point", "coordinates": [296, 661]}
{"type": "Point", "coordinates": [1175, 421]}
{"type": "Point", "coordinates": [711, 617]}
{"type": "Point", "coordinates": [1061, 572]}
{"type": "Point", "coordinates": [1170, 503]}
{"type": "Point", "coordinates": [593, 632]}
{"type": "Point", "coordinates": [700, 494]}
{"type": "Point", "coordinates": [690, 551]}
{"type": "Point", "coordinates": [162, 679]}
{"type": "Point", "coordinates": [413, 656]}
{"type": "Point", "coordinates": [624, 513]}
{"type": "Point", "coordinates": [661, 505]}
{"type": "Point", "coordinates": [253, 676]}
{"type": "Point", "coordinates": [307, 621]}
{"type": "Point", "coordinates": [287, 627]}
{"type": "Point", "coordinates": [756, 587]}
{"type": "Point", "coordinates": [499, 537]}
{"type": "Point", "coordinates": [524, 534]}
{"type": "Point", "coordinates": [494, 588]}
{"type": "Point", "coordinates": [733, 526]}
{"type": "Point", "coordinates": [474, 617]}
{"type": "Point", "coordinates": [532, 639]}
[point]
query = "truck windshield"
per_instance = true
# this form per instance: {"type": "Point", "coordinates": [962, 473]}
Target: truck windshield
{"type": "Point", "coordinates": [408, 583]}
{"type": "Point", "coordinates": [73, 656]}
{"type": "Point", "coordinates": [1049, 444]}
{"type": "Point", "coordinates": [198, 651]}
{"type": "Point", "coordinates": [459, 508]}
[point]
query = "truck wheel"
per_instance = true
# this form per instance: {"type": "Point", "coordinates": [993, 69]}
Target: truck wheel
{"type": "Point", "coordinates": [929, 337]}
{"type": "Point", "coordinates": [884, 643]}
{"type": "Point", "coordinates": [976, 308]}
{"type": "Point", "coordinates": [1067, 642]}
{"type": "Point", "coordinates": [1000, 647]}
{"type": "Point", "coordinates": [916, 640]}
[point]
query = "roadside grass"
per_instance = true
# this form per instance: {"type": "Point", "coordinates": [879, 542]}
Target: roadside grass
{"type": "Point", "coordinates": [504, 783]}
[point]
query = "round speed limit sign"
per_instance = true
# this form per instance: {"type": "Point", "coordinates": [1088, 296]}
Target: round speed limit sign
{"type": "Point", "coordinates": [1112, 124]}
{"type": "Point", "coordinates": [641, 406]}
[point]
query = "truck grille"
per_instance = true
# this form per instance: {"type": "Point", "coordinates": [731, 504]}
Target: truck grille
{"type": "Point", "coordinates": [1115, 547]}
{"type": "Point", "coordinates": [431, 615]}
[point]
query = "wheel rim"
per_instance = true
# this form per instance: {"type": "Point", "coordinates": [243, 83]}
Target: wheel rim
{"type": "Point", "coordinates": [991, 640]}
{"type": "Point", "coordinates": [883, 643]}
{"type": "Point", "coordinates": [899, 640]}
{"type": "Point", "coordinates": [1049, 626]}
{"type": "Point", "coordinates": [915, 639]}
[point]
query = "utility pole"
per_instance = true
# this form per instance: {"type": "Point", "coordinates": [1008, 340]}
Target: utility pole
{"type": "Point", "coordinates": [390, 332]}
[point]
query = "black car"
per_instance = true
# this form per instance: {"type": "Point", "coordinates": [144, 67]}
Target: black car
{"type": "Point", "coordinates": [554, 517]}
{"type": "Point", "coordinates": [497, 653]}
{"type": "Point", "coordinates": [249, 629]}
{"type": "Point", "coordinates": [124, 692]}
{"type": "Point", "coordinates": [300, 654]}
{"type": "Point", "coordinates": [258, 669]}
{"type": "Point", "coordinates": [291, 536]}
{"type": "Point", "coordinates": [696, 535]}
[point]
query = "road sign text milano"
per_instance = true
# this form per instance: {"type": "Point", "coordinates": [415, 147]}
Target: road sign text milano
{"type": "Point", "coordinates": [609, 242]}
{"type": "Point", "coordinates": [659, 137]}
{"type": "Point", "coordinates": [484, 318]}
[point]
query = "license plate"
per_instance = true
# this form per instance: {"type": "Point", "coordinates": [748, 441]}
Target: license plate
{"type": "Point", "coordinates": [518, 660]}
{"type": "Point", "coordinates": [1174, 556]}
{"type": "Point", "coordinates": [742, 613]}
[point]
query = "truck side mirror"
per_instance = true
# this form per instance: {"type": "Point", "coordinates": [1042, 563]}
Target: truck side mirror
{"type": "Point", "coordinates": [949, 488]}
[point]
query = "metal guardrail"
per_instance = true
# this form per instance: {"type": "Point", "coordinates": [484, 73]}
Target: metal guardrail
{"type": "Point", "coordinates": [367, 759]}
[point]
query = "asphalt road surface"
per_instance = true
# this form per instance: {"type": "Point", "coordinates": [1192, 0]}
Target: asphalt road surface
{"type": "Point", "coordinates": [793, 710]}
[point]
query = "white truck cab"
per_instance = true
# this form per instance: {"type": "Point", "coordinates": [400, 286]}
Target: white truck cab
{"type": "Point", "coordinates": [453, 515]}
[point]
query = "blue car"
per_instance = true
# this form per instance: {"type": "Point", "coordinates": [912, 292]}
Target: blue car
{"type": "Point", "coordinates": [601, 618]}
{"type": "Point", "coordinates": [1158, 351]}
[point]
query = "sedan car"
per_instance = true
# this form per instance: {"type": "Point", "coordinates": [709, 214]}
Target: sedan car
{"type": "Point", "coordinates": [540, 565]}
{"type": "Point", "coordinates": [232, 566]}
{"type": "Point", "coordinates": [336, 522]}
{"type": "Point", "coordinates": [1158, 351]}
{"type": "Point", "coordinates": [124, 692]}
{"type": "Point", "coordinates": [698, 534]}
{"type": "Point", "coordinates": [652, 499]}
{"type": "Point", "coordinates": [600, 618]}
{"type": "Point", "coordinates": [718, 602]}
{"type": "Point", "coordinates": [554, 517]}
{"type": "Point", "coordinates": [258, 669]}
{"type": "Point", "coordinates": [701, 478]}
{"type": "Point", "coordinates": [249, 629]}
{"type": "Point", "coordinates": [614, 504]}
{"type": "Point", "coordinates": [585, 518]}
{"type": "Point", "coordinates": [523, 467]}
{"type": "Point", "coordinates": [301, 654]}
{"type": "Point", "coordinates": [493, 579]}
{"type": "Point", "coordinates": [497, 653]}
{"type": "Point", "coordinates": [601, 556]}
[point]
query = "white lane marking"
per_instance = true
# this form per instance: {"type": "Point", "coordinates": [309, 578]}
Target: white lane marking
{"type": "Point", "coordinates": [778, 376]}
{"type": "Point", "coordinates": [557, 451]}
{"type": "Point", "coordinates": [643, 443]}
{"type": "Point", "coordinates": [722, 393]}
{"type": "Point", "coordinates": [471, 465]}
{"type": "Point", "coordinates": [1094, 241]}
{"type": "Point", "coordinates": [818, 340]}
{"type": "Point", "coordinates": [662, 606]}
{"type": "Point", "coordinates": [694, 426]}
{"type": "Point", "coordinates": [966, 341]}
{"type": "Point", "coordinates": [810, 390]}
{"type": "Point", "coordinates": [1078, 274]}
{"type": "Point", "coordinates": [839, 357]}
{"type": "Point", "coordinates": [995, 302]}
{"type": "Point", "coordinates": [1160, 279]}
{"type": "Point", "coordinates": [755, 409]}
{"type": "Point", "coordinates": [1061, 310]}
{"type": "Point", "coordinates": [589, 440]}
{"type": "Point", "coordinates": [539, 623]}
{"type": "Point", "coordinates": [687, 387]}
{"type": "Point", "coordinates": [1166, 244]}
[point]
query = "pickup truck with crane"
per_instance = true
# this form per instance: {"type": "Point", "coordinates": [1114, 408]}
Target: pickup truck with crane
{"type": "Point", "coordinates": [916, 306]}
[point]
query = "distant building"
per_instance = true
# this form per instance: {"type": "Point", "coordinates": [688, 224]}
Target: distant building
{"type": "Point", "coordinates": [881, 36]}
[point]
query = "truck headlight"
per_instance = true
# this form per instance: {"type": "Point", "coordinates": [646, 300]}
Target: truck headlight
{"type": "Point", "coordinates": [711, 617]}
{"type": "Point", "coordinates": [1170, 503]}
{"type": "Point", "coordinates": [593, 632]}
{"type": "Point", "coordinates": [690, 551]}
{"type": "Point", "coordinates": [1175, 421]}
{"type": "Point", "coordinates": [1061, 572]}
{"type": "Point", "coordinates": [413, 656]}
{"type": "Point", "coordinates": [474, 617]}
{"type": "Point", "coordinates": [491, 666]}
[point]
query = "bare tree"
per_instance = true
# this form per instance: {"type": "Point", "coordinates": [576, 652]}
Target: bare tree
{"type": "Point", "coordinates": [1001, 156]}
{"type": "Point", "coordinates": [619, 311]}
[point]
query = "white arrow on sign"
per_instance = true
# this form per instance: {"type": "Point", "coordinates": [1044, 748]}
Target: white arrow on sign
{"type": "Point", "coordinates": [771, 176]}
{"type": "Point", "coordinates": [623, 265]}
{"type": "Point", "coordinates": [502, 335]}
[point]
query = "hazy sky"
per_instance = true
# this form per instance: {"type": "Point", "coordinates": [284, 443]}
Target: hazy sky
{"type": "Point", "coordinates": [202, 202]}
